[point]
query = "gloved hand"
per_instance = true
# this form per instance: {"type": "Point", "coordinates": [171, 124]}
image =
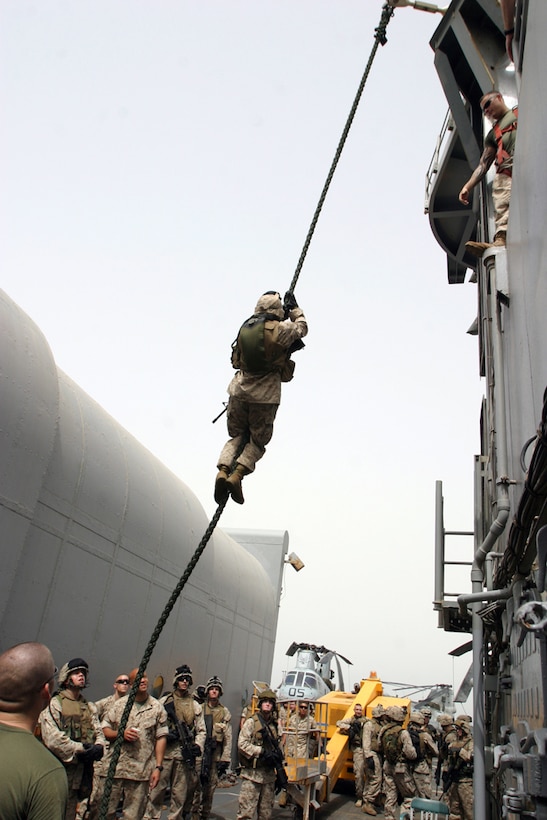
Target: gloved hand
{"type": "Point", "coordinates": [289, 302]}
{"type": "Point", "coordinates": [370, 763]}
{"type": "Point", "coordinates": [92, 752]}
{"type": "Point", "coordinates": [267, 757]}
{"type": "Point", "coordinates": [97, 751]}
{"type": "Point", "coordinates": [172, 737]}
{"type": "Point", "coordinates": [222, 767]}
{"type": "Point", "coordinates": [196, 750]}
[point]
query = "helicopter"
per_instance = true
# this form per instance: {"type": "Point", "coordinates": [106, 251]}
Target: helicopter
{"type": "Point", "coordinates": [311, 676]}
{"type": "Point", "coordinates": [438, 697]}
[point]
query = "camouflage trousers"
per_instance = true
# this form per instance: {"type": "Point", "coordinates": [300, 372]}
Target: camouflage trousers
{"type": "Point", "coordinates": [463, 799]}
{"type": "Point", "coordinates": [246, 419]}
{"type": "Point", "coordinates": [398, 782]}
{"type": "Point", "coordinates": [74, 778]}
{"type": "Point", "coordinates": [422, 779]}
{"type": "Point", "coordinates": [134, 793]}
{"type": "Point", "coordinates": [501, 195]}
{"type": "Point", "coordinates": [203, 796]}
{"type": "Point", "coordinates": [373, 785]}
{"type": "Point", "coordinates": [359, 772]}
{"type": "Point", "coordinates": [257, 797]}
{"type": "Point", "coordinates": [183, 781]}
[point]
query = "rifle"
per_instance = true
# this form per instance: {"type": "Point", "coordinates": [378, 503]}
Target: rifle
{"type": "Point", "coordinates": [271, 746]}
{"type": "Point", "coordinates": [188, 746]}
{"type": "Point", "coordinates": [438, 773]}
{"type": "Point", "coordinates": [209, 748]}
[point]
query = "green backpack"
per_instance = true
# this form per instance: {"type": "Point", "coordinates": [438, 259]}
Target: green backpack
{"type": "Point", "coordinates": [391, 746]}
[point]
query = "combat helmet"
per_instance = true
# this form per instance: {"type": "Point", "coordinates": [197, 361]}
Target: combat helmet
{"type": "Point", "coordinates": [68, 669]}
{"type": "Point", "coordinates": [270, 302]}
{"type": "Point", "coordinates": [183, 672]}
{"type": "Point", "coordinates": [463, 722]}
{"type": "Point", "coordinates": [445, 720]}
{"type": "Point", "coordinates": [267, 694]}
{"type": "Point", "coordinates": [426, 711]}
{"type": "Point", "coordinates": [396, 713]}
{"type": "Point", "coordinates": [417, 718]}
{"type": "Point", "coordinates": [213, 683]}
{"type": "Point", "coordinates": [378, 711]}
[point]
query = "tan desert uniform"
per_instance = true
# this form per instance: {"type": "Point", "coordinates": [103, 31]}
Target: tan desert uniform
{"type": "Point", "coordinates": [137, 759]}
{"type": "Point", "coordinates": [397, 777]}
{"type": "Point", "coordinates": [255, 397]}
{"type": "Point", "coordinates": [422, 772]}
{"type": "Point", "coordinates": [501, 184]}
{"type": "Point", "coordinates": [101, 768]}
{"type": "Point", "coordinates": [176, 773]}
{"type": "Point", "coordinates": [461, 764]}
{"type": "Point", "coordinates": [102, 706]}
{"type": "Point", "coordinates": [222, 738]}
{"type": "Point", "coordinates": [372, 752]}
{"type": "Point", "coordinates": [258, 779]}
{"type": "Point", "coordinates": [300, 736]}
{"type": "Point", "coordinates": [349, 727]}
{"type": "Point", "coordinates": [448, 736]}
{"type": "Point", "coordinates": [65, 725]}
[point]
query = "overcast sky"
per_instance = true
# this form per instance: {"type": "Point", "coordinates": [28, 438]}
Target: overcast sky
{"type": "Point", "coordinates": [161, 164]}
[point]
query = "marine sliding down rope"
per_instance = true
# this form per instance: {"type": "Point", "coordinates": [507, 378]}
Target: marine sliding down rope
{"type": "Point", "coordinates": [379, 39]}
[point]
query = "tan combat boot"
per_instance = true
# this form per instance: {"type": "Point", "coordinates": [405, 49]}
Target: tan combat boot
{"type": "Point", "coordinates": [234, 483]}
{"type": "Point", "coordinates": [221, 487]}
{"type": "Point", "coordinates": [478, 248]}
{"type": "Point", "coordinates": [368, 808]}
{"type": "Point", "coordinates": [283, 798]}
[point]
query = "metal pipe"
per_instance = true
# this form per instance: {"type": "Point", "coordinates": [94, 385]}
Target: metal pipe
{"type": "Point", "coordinates": [482, 596]}
{"type": "Point", "coordinates": [439, 548]}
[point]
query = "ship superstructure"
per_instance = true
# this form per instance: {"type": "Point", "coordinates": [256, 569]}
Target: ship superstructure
{"type": "Point", "coordinates": [503, 608]}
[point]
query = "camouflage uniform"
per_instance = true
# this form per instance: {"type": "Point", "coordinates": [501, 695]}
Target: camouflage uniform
{"type": "Point", "coordinates": [448, 735]}
{"type": "Point", "coordinates": [258, 777]}
{"type": "Point", "coordinates": [460, 757]}
{"type": "Point", "coordinates": [255, 397]}
{"type": "Point", "coordinates": [218, 725]}
{"type": "Point", "coordinates": [65, 725]}
{"type": "Point", "coordinates": [299, 736]}
{"type": "Point", "coordinates": [137, 759]}
{"type": "Point", "coordinates": [372, 754]}
{"type": "Point", "coordinates": [426, 749]}
{"type": "Point", "coordinates": [181, 776]}
{"type": "Point", "coordinates": [398, 779]}
{"type": "Point", "coordinates": [426, 712]}
{"type": "Point", "coordinates": [354, 728]}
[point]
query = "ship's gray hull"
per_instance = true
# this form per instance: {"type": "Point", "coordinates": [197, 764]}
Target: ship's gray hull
{"type": "Point", "coordinates": [95, 533]}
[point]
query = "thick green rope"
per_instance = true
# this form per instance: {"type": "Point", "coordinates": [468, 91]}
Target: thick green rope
{"type": "Point", "coordinates": [379, 39]}
{"type": "Point", "coordinates": [116, 748]}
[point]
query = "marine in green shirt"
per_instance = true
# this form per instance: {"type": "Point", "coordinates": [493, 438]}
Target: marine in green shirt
{"type": "Point", "coordinates": [34, 785]}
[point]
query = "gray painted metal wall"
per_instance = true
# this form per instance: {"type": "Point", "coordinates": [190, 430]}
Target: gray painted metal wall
{"type": "Point", "coordinates": [95, 533]}
{"type": "Point", "coordinates": [525, 327]}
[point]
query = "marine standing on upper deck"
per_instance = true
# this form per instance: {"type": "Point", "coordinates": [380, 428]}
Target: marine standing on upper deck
{"type": "Point", "coordinates": [261, 356]}
{"type": "Point", "coordinates": [499, 147]}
